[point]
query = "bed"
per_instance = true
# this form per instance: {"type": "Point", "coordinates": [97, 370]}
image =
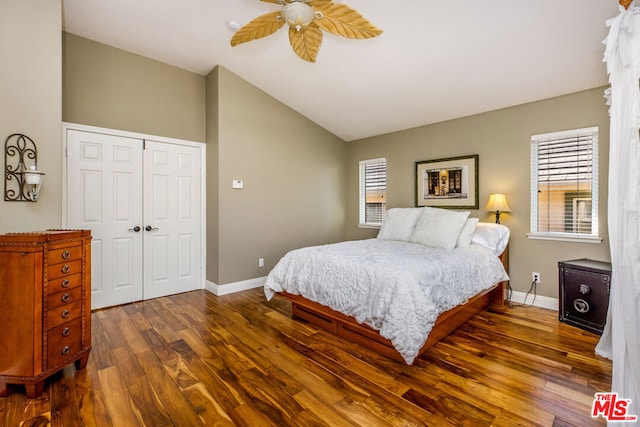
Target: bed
{"type": "Point", "coordinates": [428, 271]}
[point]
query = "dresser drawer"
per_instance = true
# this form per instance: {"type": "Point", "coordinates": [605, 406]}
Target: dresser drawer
{"type": "Point", "coordinates": [63, 314]}
{"type": "Point", "coordinates": [64, 341]}
{"type": "Point", "coordinates": [59, 299]}
{"type": "Point", "coordinates": [64, 269]}
{"type": "Point", "coordinates": [65, 254]}
{"type": "Point", "coordinates": [64, 283]}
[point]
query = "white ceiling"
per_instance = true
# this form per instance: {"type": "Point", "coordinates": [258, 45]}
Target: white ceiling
{"type": "Point", "coordinates": [436, 59]}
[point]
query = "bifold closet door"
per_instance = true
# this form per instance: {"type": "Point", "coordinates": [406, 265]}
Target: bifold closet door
{"type": "Point", "coordinates": [104, 195]}
{"type": "Point", "coordinates": [142, 201]}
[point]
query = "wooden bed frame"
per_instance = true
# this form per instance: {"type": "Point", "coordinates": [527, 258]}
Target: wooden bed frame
{"type": "Point", "coordinates": [347, 327]}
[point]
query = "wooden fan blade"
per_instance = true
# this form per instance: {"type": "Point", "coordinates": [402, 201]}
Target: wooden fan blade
{"type": "Point", "coordinates": [341, 20]}
{"type": "Point", "coordinates": [306, 43]}
{"type": "Point", "coordinates": [272, 1]}
{"type": "Point", "coordinates": [261, 26]}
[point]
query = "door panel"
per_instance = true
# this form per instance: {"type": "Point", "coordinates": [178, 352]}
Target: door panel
{"type": "Point", "coordinates": [91, 182]}
{"type": "Point", "coordinates": [104, 190]}
{"type": "Point", "coordinates": [172, 198]}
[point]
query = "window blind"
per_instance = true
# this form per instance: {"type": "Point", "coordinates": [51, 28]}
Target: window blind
{"type": "Point", "coordinates": [373, 191]}
{"type": "Point", "coordinates": [564, 182]}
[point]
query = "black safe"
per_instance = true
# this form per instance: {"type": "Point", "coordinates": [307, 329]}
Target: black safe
{"type": "Point", "coordinates": [584, 293]}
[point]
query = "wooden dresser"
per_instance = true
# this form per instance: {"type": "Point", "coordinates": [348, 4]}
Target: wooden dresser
{"type": "Point", "coordinates": [45, 320]}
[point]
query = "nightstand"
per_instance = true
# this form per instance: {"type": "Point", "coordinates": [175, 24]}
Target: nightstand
{"type": "Point", "coordinates": [584, 293]}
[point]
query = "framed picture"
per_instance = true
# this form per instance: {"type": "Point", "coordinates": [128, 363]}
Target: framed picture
{"type": "Point", "coordinates": [448, 183]}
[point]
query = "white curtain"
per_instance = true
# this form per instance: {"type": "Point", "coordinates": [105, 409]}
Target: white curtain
{"type": "Point", "coordinates": [620, 341]}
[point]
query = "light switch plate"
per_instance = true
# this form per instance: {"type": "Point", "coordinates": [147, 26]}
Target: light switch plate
{"type": "Point", "coordinates": [238, 184]}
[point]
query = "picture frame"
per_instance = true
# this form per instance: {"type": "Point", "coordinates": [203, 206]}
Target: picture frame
{"type": "Point", "coordinates": [448, 183]}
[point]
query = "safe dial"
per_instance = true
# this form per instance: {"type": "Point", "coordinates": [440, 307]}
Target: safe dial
{"type": "Point", "coordinates": [581, 305]}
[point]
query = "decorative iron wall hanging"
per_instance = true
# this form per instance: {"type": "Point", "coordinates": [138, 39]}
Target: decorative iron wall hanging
{"type": "Point", "coordinates": [22, 179]}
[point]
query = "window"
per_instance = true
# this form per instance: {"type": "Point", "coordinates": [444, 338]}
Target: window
{"type": "Point", "coordinates": [564, 185]}
{"type": "Point", "coordinates": [373, 192]}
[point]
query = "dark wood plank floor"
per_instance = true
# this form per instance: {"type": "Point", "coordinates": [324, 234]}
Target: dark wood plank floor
{"type": "Point", "coordinates": [198, 359]}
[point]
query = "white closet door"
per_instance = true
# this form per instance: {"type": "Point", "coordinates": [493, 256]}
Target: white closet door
{"type": "Point", "coordinates": [104, 194]}
{"type": "Point", "coordinates": [172, 210]}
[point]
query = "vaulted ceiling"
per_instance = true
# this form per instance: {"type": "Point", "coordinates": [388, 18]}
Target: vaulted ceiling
{"type": "Point", "coordinates": [436, 59]}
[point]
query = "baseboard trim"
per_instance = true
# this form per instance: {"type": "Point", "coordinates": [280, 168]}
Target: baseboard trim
{"type": "Point", "coordinates": [541, 301]}
{"type": "Point", "coordinates": [231, 288]}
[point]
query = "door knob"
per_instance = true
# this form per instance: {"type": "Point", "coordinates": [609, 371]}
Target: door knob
{"type": "Point", "coordinates": [149, 228]}
{"type": "Point", "coordinates": [136, 229]}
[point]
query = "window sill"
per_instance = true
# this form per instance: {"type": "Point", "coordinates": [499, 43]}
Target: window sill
{"type": "Point", "coordinates": [565, 237]}
{"type": "Point", "coordinates": [367, 225]}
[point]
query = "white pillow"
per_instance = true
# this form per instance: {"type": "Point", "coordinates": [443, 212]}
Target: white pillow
{"type": "Point", "coordinates": [439, 228]}
{"type": "Point", "coordinates": [398, 223]}
{"type": "Point", "coordinates": [492, 236]}
{"type": "Point", "coordinates": [464, 239]}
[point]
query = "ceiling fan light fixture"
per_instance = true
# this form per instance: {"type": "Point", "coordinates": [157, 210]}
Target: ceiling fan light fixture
{"type": "Point", "coordinates": [298, 15]}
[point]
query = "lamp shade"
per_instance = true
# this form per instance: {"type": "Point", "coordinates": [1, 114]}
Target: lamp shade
{"type": "Point", "coordinates": [298, 15]}
{"type": "Point", "coordinates": [33, 176]}
{"type": "Point", "coordinates": [498, 202]}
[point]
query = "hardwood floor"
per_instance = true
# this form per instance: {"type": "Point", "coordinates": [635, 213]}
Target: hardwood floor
{"type": "Point", "coordinates": [198, 359]}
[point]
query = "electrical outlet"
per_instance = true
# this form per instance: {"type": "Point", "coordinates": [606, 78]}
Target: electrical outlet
{"type": "Point", "coordinates": [260, 262]}
{"type": "Point", "coordinates": [535, 277]}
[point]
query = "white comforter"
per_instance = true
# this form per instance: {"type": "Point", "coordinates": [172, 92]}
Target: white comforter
{"type": "Point", "coordinates": [397, 288]}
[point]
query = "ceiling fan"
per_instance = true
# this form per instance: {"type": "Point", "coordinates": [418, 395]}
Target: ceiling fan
{"type": "Point", "coordinates": [306, 19]}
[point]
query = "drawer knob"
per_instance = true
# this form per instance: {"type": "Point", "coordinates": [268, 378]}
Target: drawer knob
{"type": "Point", "coordinates": [65, 298]}
{"type": "Point", "coordinates": [65, 350]}
{"type": "Point", "coordinates": [66, 332]}
{"type": "Point", "coordinates": [65, 268]}
{"type": "Point", "coordinates": [65, 283]}
{"type": "Point", "coordinates": [66, 255]}
{"type": "Point", "coordinates": [584, 289]}
{"type": "Point", "coordinates": [581, 305]}
{"type": "Point", "coordinates": [65, 314]}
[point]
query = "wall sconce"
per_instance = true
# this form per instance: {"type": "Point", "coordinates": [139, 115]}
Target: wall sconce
{"type": "Point", "coordinates": [498, 202]}
{"type": "Point", "coordinates": [22, 179]}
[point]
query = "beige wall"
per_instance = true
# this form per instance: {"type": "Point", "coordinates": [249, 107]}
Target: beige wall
{"type": "Point", "coordinates": [293, 171]}
{"type": "Point", "coordinates": [502, 140]}
{"type": "Point", "coordinates": [213, 248]}
{"type": "Point", "coordinates": [30, 103]}
{"type": "Point", "coordinates": [111, 88]}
